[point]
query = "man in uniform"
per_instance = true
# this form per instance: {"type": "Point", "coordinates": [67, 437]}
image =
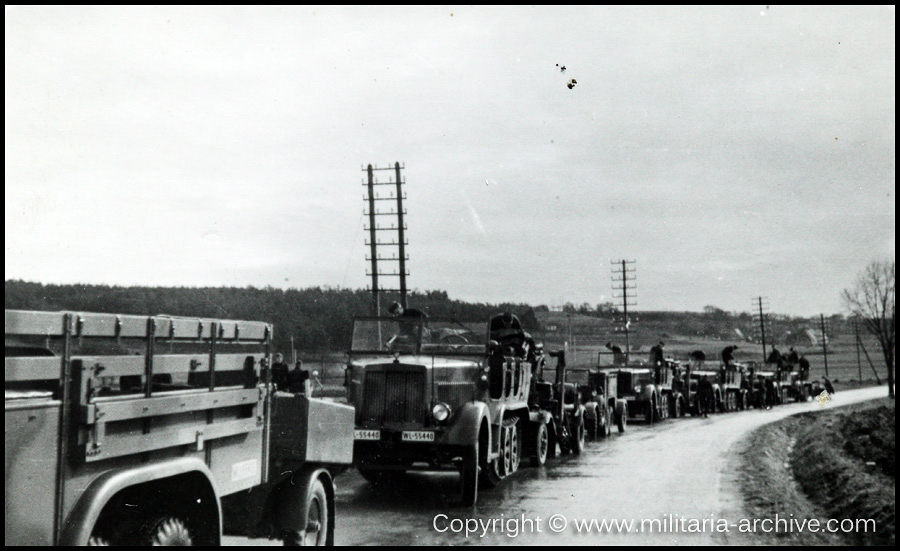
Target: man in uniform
{"type": "Point", "coordinates": [618, 355]}
{"type": "Point", "coordinates": [705, 397]}
{"type": "Point", "coordinates": [728, 356]}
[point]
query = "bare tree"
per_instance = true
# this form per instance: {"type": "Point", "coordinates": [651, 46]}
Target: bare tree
{"type": "Point", "coordinates": [871, 299]}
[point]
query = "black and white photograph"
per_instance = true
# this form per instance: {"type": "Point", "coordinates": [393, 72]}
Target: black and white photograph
{"type": "Point", "coordinates": [450, 275]}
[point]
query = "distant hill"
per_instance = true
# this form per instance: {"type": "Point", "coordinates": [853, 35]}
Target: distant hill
{"type": "Point", "coordinates": [319, 319]}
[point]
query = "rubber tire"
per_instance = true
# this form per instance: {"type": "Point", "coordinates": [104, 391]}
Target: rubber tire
{"type": "Point", "coordinates": [553, 443]}
{"type": "Point", "coordinates": [578, 436]}
{"type": "Point", "coordinates": [590, 426]}
{"type": "Point", "coordinates": [468, 475]}
{"type": "Point", "coordinates": [316, 515]}
{"type": "Point", "coordinates": [607, 423]}
{"type": "Point", "coordinates": [165, 531]}
{"type": "Point", "coordinates": [541, 445]}
{"type": "Point", "coordinates": [622, 420]}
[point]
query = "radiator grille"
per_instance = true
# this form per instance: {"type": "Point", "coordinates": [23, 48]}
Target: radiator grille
{"type": "Point", "coordinates": [394, 397]}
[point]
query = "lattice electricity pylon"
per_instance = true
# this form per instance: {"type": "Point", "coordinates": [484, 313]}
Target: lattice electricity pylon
{"type": "Point", "coordinates": [623, 277]}
{"type": "Point", "coordinates": [398, 229]}
{"type": "Point", "coordinates": [761, 321]}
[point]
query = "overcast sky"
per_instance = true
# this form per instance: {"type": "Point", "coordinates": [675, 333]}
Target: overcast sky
{"type": "Point", "coordinates": [731, 152]}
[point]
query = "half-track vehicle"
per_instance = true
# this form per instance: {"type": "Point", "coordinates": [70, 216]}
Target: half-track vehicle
{"type": "Point", "coordinates": [433, 394]}
{"type": "Point", "coordinates": [138, 430]}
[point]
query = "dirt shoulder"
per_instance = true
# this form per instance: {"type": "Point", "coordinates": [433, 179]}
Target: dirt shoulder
{"type": "Point", "coordinates": [832, 464]}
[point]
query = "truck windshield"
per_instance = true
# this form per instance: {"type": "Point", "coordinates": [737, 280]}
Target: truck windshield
{"type": "Point", "coordinates": [418, 335]}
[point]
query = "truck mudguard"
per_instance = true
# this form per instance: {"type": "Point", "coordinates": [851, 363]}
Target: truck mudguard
{"type": "Point", "coordinates": [80, 522]}
{"type": "Point", "coordinates": [464, 430]}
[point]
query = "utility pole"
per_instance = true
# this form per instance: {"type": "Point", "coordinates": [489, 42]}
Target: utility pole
{"type": "Point", "coordinates": [858, 357]}
{"type": "Point", "coordinates": [399, 228]}
{"type": "Point", "coordinates": [762, 304]}
{"type": "Point", "coordinates": [824, 344]}
{"type": "Point", "coordinates": [623, 277]}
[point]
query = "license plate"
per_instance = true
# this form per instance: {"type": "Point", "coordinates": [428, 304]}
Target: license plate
{"type": "Point", "coordinates": [417, 436]}
{"type": "Point", "coordinates": [367, 435]}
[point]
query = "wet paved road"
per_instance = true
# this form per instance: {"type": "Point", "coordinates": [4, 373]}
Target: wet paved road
{"type": "Point", "coordinates": [678, 468]}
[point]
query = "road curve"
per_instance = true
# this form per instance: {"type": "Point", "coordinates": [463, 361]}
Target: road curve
{"type": "Point", "coordinates": [678, 469]}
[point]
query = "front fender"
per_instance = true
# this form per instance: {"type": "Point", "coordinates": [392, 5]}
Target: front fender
{"type": "Point", "coordinates": [466, 424]}
{"type": "Point", "coordinates": [81, 520]}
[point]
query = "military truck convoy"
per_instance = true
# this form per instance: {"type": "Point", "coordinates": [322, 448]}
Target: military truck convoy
{"type": "Point", "coordinates": [137, 430]}
{"type": "Point", "coordinates": [142, 430]}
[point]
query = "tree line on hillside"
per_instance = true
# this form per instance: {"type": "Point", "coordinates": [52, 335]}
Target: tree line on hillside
{"type": "Point", "coordinates": [318, 319]}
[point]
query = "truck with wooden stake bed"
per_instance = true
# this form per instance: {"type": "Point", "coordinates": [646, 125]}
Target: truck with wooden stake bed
{"type": "Point", "coordinates": [161, 430]}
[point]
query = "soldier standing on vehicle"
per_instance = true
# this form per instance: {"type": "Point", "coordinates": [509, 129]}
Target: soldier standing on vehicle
{"type": "Point", "coordinates": [656, 355]}
{"type": "Point", "coordinates": [618, 355]}
{"type": "Point", "coordinates": [775, 358]}
{"type": "Point", "coordinates": [280, 372]}
{"type": "Point", "coordinates": [705, 396]}
{"type": "Point", "coordinates": [793, 358]}
{"type": "Point", "coordinates": [728, 356]}
{"type": "Point", "coordinates": [804, 368]}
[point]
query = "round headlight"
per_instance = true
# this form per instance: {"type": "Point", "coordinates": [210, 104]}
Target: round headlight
{"type": "Point", "coordinates": [441, 412]}
{"type": "Point", "coordinates": [637, 389]}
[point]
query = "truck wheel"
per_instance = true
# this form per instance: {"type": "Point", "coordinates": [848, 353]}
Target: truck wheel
{"type": "Point", "coordinates": [578, 436]}
{"type": "Point", "coordinates": [165, 531]}
{"type": "Point", "coordinates": [316, 515]}
{"type": "Point", "coordinates": [622, 418]}
{"type": "Point", "coordinates": [468, 474]}
{"type": "Point", "coordinates": [606, 429]}
{"type": "Point", "coordinates": [651, 410]}
{"type": "Point", "coordinates": [591, 424]}
{"type": "Point", "coordinates": [541, 445]}
{"type": "Point", "coordinates": [553, 442]}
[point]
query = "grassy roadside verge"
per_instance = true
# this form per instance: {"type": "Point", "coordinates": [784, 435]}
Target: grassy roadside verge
{"type": "Point", "coordinates": [836, 463]}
